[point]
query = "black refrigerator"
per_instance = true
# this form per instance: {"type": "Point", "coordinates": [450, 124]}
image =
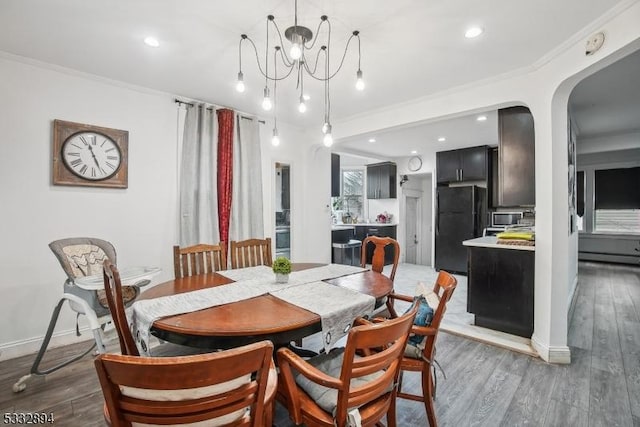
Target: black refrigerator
{"type": "Point", "coordinates": [461, 214]}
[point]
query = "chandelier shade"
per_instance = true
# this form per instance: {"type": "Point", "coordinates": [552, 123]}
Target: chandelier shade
{"type": "Point", "coordinates": [302, 59]}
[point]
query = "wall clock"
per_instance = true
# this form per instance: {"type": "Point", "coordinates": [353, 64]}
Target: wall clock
{"type": "Point", "coordinates": [414, 164]}
{"type": "Point", "coordinates": [86, 155]}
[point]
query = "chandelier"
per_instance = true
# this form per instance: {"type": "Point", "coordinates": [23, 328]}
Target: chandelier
{"type": "Point", "coordinates": [301, 62]}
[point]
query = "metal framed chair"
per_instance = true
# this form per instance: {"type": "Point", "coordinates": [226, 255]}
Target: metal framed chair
{"type": "Point", "coordinates": [81, 257]}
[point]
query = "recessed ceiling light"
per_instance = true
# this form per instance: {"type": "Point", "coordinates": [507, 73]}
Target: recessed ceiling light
{"type": "Point", "coordinates": [442, 139]}
{"type": "Point", "coordinates": [414, 152]}
{"type": "Point", "coordinates": [151, 41]}
{"type": "Point", "coordinates": [481, 118]}
{"type": "Point", "coordinates": [473, 32]}
{"type": "Point", "coordinates": [372, 140]}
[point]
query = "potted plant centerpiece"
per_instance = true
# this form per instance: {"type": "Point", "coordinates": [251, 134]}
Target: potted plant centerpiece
{"type": "Point", "coordinates": [282, 268]}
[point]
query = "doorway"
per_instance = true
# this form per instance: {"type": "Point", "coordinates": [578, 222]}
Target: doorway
{"type": "Point", "coordinates": [417, 219]}
{"type": "Point", "coordinates": [411, 231]}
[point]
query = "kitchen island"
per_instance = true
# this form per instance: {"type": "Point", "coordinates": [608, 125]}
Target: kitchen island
{"type": "Point", "coordinates": [501, 285]}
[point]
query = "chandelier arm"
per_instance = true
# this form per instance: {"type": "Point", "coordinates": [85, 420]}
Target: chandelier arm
{"type": "Point", "coordinates": [285, 58]}
{"type": "Point", "coordinates": [315, 39]}
{"type": "Point", "coordinates": [275, 92]}
{"type": "Point", "coordinates": [344, 55]}
{"type": "Point", "coordinates": [315, 65]}
{"type": "Point", "coordinates": [255, 49]}
{"type": "Point", "coordinates": [266, 55]}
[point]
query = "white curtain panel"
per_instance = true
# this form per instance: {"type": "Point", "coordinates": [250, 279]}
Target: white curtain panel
{"type": "Point", "coordinates": [246, 202]}
{"type": "Point", "coordinates": [198, 177]}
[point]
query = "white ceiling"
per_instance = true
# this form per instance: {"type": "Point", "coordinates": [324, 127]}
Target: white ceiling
{"type": "Point", "coordinates": [410, 48]}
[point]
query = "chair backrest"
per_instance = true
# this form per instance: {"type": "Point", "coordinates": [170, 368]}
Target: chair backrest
{"type": "Point", "coordinates": [370, 366]}
{"type": "Point", "coordinates": [221, 388]}
{"type": "Point", "coordinates": [199, 259]}
{"type": "Point", "coordinates": [444, 286]}
{"type": "Point", "coordinates": [82, 256]}
{"type": "Point", "coordinates": [113, 291]}
{"type": "Point", "coordinates": [377, 262]}
{"type": "Point", "coordinates": [390, 339]}
{"type": "Point", "coordinates": [251, 252]}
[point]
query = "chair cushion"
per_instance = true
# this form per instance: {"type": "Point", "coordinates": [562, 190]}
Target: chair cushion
{"type": "Point", "coordinates": [427, 302]}
{"type": "Point", "coordinates": [331, 364]}
{"type": "Point", "coordinates": [129, 293]}
{"type": "Point", "coordinates": [195, 393]}
{"type": "Point", "coordinates": [84, 259]}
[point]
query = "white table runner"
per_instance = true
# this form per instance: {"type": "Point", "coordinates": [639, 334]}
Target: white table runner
{"type": "Point", "coordinates": [337, 307]}
{"type": "Point", "coordinates": [251, 282]}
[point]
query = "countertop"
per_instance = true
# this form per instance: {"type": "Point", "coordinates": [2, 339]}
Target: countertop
{"type": "Point", "coordinates": [492, 242]}
{"type": "Point", "coordinates": [362, 224]}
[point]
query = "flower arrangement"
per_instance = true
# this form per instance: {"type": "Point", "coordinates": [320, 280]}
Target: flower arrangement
{"type": "Point", "coordinates": [281, 265]}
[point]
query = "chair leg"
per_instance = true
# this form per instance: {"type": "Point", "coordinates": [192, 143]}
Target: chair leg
{"type": "Point", "coordinates": [391, 413]}
{"type": "Point", "coordinates": [21, 384]}
{"type": "Point", "coordinates": [427, 395]}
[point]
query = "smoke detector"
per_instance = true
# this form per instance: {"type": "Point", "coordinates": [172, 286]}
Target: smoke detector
{"type": "Point", "coordinates": [594, 43]}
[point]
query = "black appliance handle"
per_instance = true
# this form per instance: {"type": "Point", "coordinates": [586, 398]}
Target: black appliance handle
{"type": "Point", "coordinates": [437, 212]}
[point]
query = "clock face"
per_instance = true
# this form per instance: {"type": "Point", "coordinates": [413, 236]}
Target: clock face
{"type": "Point", "coordinates": [415, 163]}
{"type": "Point", "coordinates": [91, 155]}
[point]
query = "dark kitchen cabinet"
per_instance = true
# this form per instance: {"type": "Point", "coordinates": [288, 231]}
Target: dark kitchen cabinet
{"type": "Point", "coordinates": [335, 175]}
{"type": "Point", "coordinates": [500, 289]}
{"type": "Point", "coordinates": [363, 231]}
{"type": "Point", "coordinates": [516, 157]}
{"type": "Point", "coordinates": [467, 164]}
{"type": "Point", "coordinates": [381, 180]}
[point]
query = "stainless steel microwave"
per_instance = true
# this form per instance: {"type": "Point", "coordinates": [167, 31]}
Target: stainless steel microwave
{"type": "Point", "coordinates": [505, 219]}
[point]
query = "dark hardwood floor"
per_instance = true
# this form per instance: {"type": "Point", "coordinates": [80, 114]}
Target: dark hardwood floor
{"type": "Point", "coordinates": [485, 385]}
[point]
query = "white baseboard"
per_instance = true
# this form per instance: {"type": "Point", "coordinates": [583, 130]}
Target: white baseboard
{"type": "Point", "coordinates": [15, 349]}
{"type": "Point", "coordinates": [552, 354]}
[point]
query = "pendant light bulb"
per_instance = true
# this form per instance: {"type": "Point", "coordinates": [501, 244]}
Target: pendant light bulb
{"type": "Point", "coordinates": [325, 126]}
{"type": "Point", "coordinates": [302, 107]}
{"type": "Point", "coordinates": [359, 81]}
{"type": "Point", "coordinates": [328, 139]}
{"type": "Point", "coordinates": [240, 84]}
{"type": "Point", "coordinates": [275, 139]}
{"type": "Point", "coordinates": [295, 52]}
{"type": "Point", "coordinates": [266, 101]}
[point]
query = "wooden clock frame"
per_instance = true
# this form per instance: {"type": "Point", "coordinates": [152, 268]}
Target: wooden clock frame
{"type": "Point", "coordinates": [62, 130]}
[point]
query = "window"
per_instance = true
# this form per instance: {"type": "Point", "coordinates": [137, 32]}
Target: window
{"type": "Point", "coordinates": [617, 200]}
{"type": "Point", "coordinates": [350, 204]}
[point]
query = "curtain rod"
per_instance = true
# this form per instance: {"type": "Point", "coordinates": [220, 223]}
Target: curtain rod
{"type": "Point", "coordinates": [191, 104]}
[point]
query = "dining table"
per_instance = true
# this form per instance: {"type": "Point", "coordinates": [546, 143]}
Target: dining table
{"type": "Point", "coordinates": [264, 317]}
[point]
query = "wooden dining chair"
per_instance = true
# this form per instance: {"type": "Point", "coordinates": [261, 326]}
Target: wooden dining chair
{"type": "Point", "coordinates": [250, 253]}
{"type": "Point", "coordinates": [377, 262]}
{"type": "Point", "coordinates": [113, 292]}
{"type": "Point", "coordinates": [377, 265]}
{"type": "Point", "coordinates": [320, 391]}
{"type": "Point", "coordinates": [225, 388]}
{"type": "Point", "coordinates": [421, 358]}
{"type": "Point", "coordinates": [199, 259]}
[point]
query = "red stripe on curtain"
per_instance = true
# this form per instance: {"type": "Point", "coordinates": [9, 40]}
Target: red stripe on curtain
{"type": "Point", "coordinates": [225, 171]}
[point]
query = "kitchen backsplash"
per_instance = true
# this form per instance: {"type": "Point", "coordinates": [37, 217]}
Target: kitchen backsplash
{"type": "Point", "coordinates": [378, 206]}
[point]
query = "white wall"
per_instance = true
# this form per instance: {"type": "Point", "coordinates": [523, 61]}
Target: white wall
{"type": "Point", "coordinates": [140, 221]}
{"type": "Point", "coordinates": [310, 190]}
{"type": "Point", "coordinates": [545, 89]}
